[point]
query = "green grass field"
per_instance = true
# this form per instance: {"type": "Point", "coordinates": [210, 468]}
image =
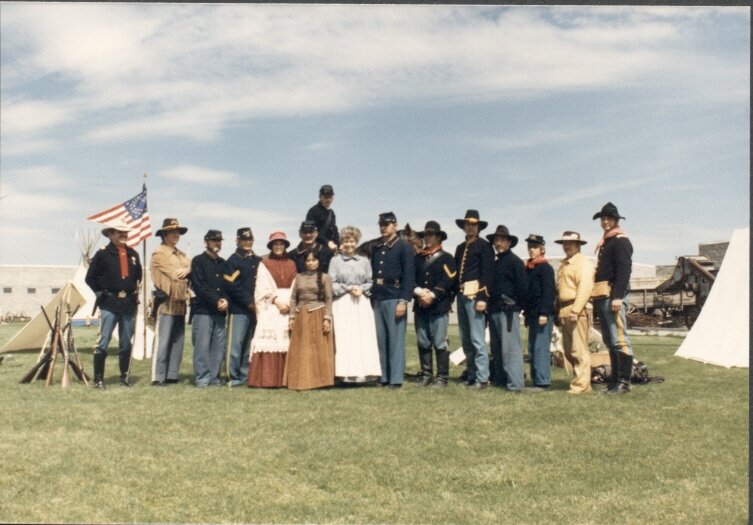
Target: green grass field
{"type": "Point", "coordinates": [675, 452]}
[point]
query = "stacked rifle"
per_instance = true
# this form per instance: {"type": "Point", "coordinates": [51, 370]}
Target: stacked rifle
{"type": "Point", "coordinates": [61, 344]}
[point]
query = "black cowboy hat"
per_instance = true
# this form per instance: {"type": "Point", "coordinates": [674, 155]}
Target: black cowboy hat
{"type": "Point", "coordinates": [608, 210]}
{"type": "Point", "coordinates": [472, 217]}
{"type": "Point", "coordinates": [535, 239]}
{"type": "Point", "coordinates": [502, 231]}
{"type": "Point", "coordinates": [432, 227]}
{"type": "Point", "coordinates": [169, 225]}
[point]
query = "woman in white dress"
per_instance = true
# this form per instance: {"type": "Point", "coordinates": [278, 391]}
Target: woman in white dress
{"type": "Point", "coordinates": [269, 347]}
{"type": "Point", "coordinates": [356, 351]}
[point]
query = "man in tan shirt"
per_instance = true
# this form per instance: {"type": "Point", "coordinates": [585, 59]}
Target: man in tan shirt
{"type": "Point", "coordinates": [170, 268]}
{"type": "Point", "coordinates": [575, 278]}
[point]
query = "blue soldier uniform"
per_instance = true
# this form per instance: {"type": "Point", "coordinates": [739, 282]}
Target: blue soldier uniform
{"type": "Point", "coordinates": [117, 298]}
{"type": "Point", "coordinates": [393, 274]}
{"type": "Point", "coordinates": [475, 260]}
{"type": "Point", "coordinates": [299, 256]}
{"type": "Point", "coordinates": [542, 292]}
{"type": "Point", "coordinates": [208, 322]}
{"type": "Point", "coordinates": [326, 223]}
{"type": "Point", "coordinates": [240, 276]}
{"type": "Point", "coordinates": [436, 272]}
{"type": "Point", "coordinates": [508, 294]}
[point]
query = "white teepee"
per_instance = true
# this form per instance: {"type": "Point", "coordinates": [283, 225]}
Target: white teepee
{"type": "Point", "coordinates": [720, 334]}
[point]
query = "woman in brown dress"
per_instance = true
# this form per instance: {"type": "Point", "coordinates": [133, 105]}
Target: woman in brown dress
{"type": "Point", "coordinates": [269, 346]}
{"type": "Point", "coordinates": [311, 357]}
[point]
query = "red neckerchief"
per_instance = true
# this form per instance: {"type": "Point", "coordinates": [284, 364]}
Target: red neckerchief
{"type": "Point", "coordinates": [607, 235]}
{"type": "Point", "coordinates": [432, 251]}
{"type": "Point", "coordinates": [530, 263]}
{"type": "Point", "coordinates": [123, 256]}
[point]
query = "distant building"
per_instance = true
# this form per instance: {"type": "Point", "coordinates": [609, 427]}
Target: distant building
{"type": "Point", "coordinates": [24, 288]}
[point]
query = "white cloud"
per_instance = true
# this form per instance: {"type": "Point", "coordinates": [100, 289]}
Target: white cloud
{"type": "Point", "coordinates": [191, 70]}
{"type": "Point", "coordinates": [26, 117]}
{"type": "Point", "coordinates": [37, 177]}
{"type": "Point", "coordinates": [199, 175]}
{"type": "Point", "coordinates": [21, 204]}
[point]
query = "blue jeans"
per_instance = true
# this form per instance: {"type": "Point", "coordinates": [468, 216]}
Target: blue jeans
{"type": "Point", "coordinates": [126, 325]}
{"type": "Point", "coordinates": [613, 326]}
{"type": "Point", "coordinates": [507, 350]}
{"type": "Point", "coordinates": [172, 330]}
{"type": "Point", "coordinates": [472, 326]}
{"type": "Point", "coordinates": [208, 348]}
{"type": "Point", "coordinates": [240, 332]}
{"type": "Point", "coordinates": [539, 350]}
{"type": "Point", "coordinates": [391, 341]}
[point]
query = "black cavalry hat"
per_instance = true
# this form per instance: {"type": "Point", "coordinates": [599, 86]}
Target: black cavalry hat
{"type": "Point", "coordinates": [245, 233]}
{"type": "Point", "coordinates": [535, 239]}
{"type": "Point", "coordinates": [502, 231]}
{"type": "Point", "coordinates": [213, 235]}
{"type": "Point", "coordinates": [608, 210]}
{"type": "Point", "coordinates": [387, 216]}
{"type": "Point", "coordinates": [432, 227]}
{"type": "Point", "coordinates": [326, 190]}
{"type": "Point", "coordinates": [308, 226]}
{"type": "Point", "coordinates": [472, 217]}
{"type": "Point", "coordinates": [170, 225]}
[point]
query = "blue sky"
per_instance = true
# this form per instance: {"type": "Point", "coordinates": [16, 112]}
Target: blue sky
{"type": "Point", "coordinates": [535, 116]}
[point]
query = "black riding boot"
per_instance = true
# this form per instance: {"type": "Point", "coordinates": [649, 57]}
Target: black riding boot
{"type": "Point", "coordinates": [624, 371]}
{"type": "Point", "coordinates": [124, 361]}
{"type": "Point", "coordinates": [443, 368]}
{"type": "Point", "coordinates": [424, 357]}
{"type": "Point", "coordinates": [613, 371]}
{"type": "Point", "coordinates": [98, 361]}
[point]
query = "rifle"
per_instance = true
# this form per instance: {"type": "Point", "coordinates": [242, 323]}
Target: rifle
{"type": "Point", "coordinates": [53, 346]}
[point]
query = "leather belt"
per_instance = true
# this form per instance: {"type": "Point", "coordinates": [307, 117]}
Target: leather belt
{"type": "Point", "coordinates": [381, 281]}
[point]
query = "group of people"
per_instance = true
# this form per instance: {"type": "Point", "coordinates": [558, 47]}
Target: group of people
{"type": "Point", "coordinates": [303, 317]}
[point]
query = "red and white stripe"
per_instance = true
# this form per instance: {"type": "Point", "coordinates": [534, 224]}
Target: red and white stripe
{"type": "Point", "coordinates": [141, 227]}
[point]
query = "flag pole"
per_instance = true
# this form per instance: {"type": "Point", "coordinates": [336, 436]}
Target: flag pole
{"type": "Point", "coordinates": [143, 281]}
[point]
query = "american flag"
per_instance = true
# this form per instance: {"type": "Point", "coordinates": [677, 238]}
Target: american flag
{"type": "Point", "coordinates": [134, 213]}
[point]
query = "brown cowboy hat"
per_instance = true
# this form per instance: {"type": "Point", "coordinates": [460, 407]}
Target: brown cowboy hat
{"type": "Point", "coordinates": [502, 231]}
{"type": "Point", "coordinates": [169, 225]}
{"type": "Point", "coordinates": [472, 217]}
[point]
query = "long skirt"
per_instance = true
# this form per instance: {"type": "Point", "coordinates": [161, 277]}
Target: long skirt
{"type": "Point", "coordinates": [356, 350]}
{"type": "Point", "coordinates": [269, 346]}
{"type": "Point", "coordinates": [311, 361]}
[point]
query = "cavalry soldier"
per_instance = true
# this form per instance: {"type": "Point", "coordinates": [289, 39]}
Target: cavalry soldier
{"type": "Point", "coordinates": [308, 232]}
{"type": "Point", "coordinates": [508, 293]}
{"type": "Point", "coordinates": [393, 272]}
{"type": "Point", "coordinates": [539, 312]}
{"type": "Point", "coordinates": [240, 275]}
{"type": "Point", "coordinates": [475, 259]}
{"type": "Point", "coordinates": [324, 217]}
{"type": "Point", "coordinates": [435, 284]}
{"type": "Point", "coordinates": [114, 276]}
{"type": "Point", "coordinates": [208, 311]}
{"type": "Point", "coordinates": [613, 270]}
{"type": "Point", "coordinates": [575, 278]}
{"type": "Point", "coordinates": [170, 268]}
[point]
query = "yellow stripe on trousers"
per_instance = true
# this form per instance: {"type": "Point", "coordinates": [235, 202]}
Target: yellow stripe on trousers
{"type": "Point", "coordinates": [620, 333]}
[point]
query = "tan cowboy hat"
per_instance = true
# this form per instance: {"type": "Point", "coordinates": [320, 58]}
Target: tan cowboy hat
{"type": "Point", "coordinates": [571, 236]}
{"type": "Point", "coordinates": [116, 225]}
